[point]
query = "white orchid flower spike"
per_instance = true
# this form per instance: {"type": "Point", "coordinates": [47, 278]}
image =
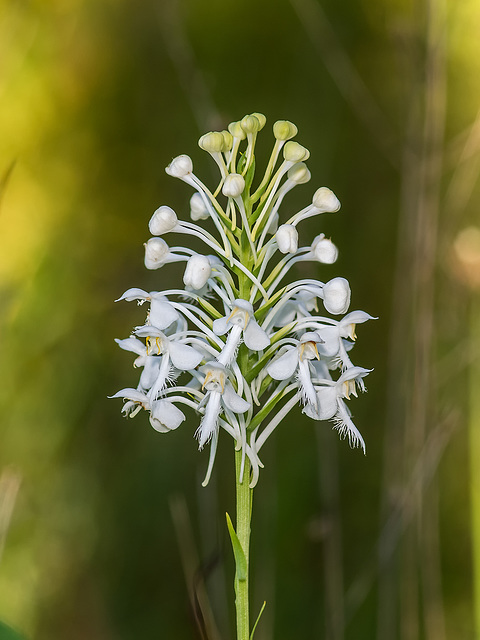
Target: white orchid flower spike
{"type": "Point", "coordinates": [236, 342]}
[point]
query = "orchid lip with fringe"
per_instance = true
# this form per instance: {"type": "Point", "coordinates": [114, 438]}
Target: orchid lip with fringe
{"type": "Point", "coordinates": [239, 344]}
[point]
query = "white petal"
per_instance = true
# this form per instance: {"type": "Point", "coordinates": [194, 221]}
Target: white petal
{"type": "Point", "coordinates": [180, 166]}
{"type": "Point", "coordinates": [131, 394]}
{"type": "Point", "coordinates": [150, 372]}
{"type": "Point", "coordinates": [162, 221]}
{"type": "Point", "coordinates": [134, 294]}
{"type": "Point", "coordinates": [327, 402]}
{"type": "Point", "coordinates": [285, 366]}
{"type": "Point", "coordinates": [287, 238]}
{"type": "Point", "coordinates": [166, 414]}
{"type": "Point", "coordinates": [162, 313]}
{"type": "Point", "coordinates": [356, 317]}
{"type": "Point", "coordinates": [233, 401]}
{"type": "Point", "coordinates": [197, 272]}
{"type": "Point", "coordinates": [132, 344]}
{"type": "Point", "coordinates": [198, 210]}
{"type": "Point", "coordinates": [331, 341]}
{"type": "Point", "coordinates": [209, 421]}
{"type": "Point", "coordinates": [255, 337]}
{"type": "Point", "coordinates": [184, 357]}
{"type": "Point", "coordinates": [353, 372]}
{"type": "Point", "coordinates": [336, 296]}
{"type": "Point", "coordinates": [325, 200]}
{"type": "Point", "coordinates": [220, 326]}
{"type": "Point", "coordinates": [306, 385]}
{"type": "Point", "coordinates": [346, 428]}
{"type": "Point", "coordinates": [156, 253]}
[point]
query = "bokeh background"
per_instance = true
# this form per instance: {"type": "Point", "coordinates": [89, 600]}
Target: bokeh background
{"type": "Point", "coordinates": [105, 531]}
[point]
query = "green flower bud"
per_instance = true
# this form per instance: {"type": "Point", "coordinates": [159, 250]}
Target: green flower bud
{"type": "Point", "coordinates": [236, 130]}
{"type": "Point", "coordinates": [212, 142]}
{"type": "Point", "coordinates": [294, 152]}
{"type": "Point", "coordinates": [227, 140]}
{"type": "Point", "coordinates": [284, 130]}
{"type": "Point", "coordinates": [261, 118]}
{"type": "Point", "coordinates": [250, 124]}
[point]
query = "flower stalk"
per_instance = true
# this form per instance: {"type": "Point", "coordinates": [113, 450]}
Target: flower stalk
{"type": "Point", "coordinates": [238, 345]}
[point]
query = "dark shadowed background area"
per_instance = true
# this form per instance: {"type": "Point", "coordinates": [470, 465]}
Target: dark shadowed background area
{"type": "Point", "coordinates": [103, 521]}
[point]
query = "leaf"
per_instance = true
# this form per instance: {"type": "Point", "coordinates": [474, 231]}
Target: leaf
{"type": "Point", "coordinates": [206, 306]}
{"type": "Point", "coordinates": [258, 618]}
{"type": "Point", "coordinates": [240, 559]}
{"type": "Point", "coordinates": [249, 176]}
{"type": "Point", "coordinates": [265, 410]}
{"type": "Point", "coordinates": [7, 633]}
{"type": "Point", "coordinates": [261, 312]}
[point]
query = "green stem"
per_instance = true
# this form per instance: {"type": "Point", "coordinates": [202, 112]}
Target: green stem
{"type": "Point", "coordinates": [244, 509]}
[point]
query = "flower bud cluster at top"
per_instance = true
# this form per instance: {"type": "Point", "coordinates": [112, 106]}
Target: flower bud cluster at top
{"type": "Point", "coordinates": [239, 344]}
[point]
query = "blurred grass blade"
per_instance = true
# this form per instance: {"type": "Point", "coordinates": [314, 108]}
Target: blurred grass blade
{"type": "Point", "coordinates": [7, 633]}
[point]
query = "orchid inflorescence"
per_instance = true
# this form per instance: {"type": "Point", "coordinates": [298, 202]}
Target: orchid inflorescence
{"type": "Point", "coordinates": [237, 344]}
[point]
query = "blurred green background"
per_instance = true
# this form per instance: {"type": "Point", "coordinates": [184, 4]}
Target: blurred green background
{"type": "Point", "coordinates": [96, 512]}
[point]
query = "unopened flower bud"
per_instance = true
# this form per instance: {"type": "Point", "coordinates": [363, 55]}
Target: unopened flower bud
{"type": "Point", "coordinates": [234, 185]}
{"type": "Point", "coordinates": [299, 173]}
{"type": "Point", "coordinates": [197, 272]}
{"type": "Point", "coordinates": [237, 131]}
{"type": "Point", "coordinates": [324, 250]}
{"type": "Point", "coordinates": [261, 119]}
{"type": "Point", "coordinates": [336, 296]}
{"type": "Point", "coordinates": [284, 130]}
{"type": "Point", "coordinates": [156, 251]}
{"type": "Point", "coordinates": [325, 200]}
{"type": "Point", "coordinates": [227, 140]}
{"type": "Point", "coordinates": [212, 142]}
{"type": "Point", "coordinates": [180, 166]}
{"type": "Point", "coordinates": [198, 210]}
{"type": "Point", "coordinates": [294, 152]}
{"type": "Point", "coordinates": [287, 238]}
{"type": "Point", "coordinates": [250, 124]}
{"type": "Point", "coordinates": [163, 220]}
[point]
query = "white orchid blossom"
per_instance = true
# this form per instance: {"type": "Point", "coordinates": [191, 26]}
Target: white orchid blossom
{"type": "Point", "coordinates": [220, 394]}
{"type": "Point", "coordinates": [330, 403]}
{"type": "Point", "coordinates": [239, 345]}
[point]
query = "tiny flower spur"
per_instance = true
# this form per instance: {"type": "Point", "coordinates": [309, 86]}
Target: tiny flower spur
{"type": "Point", "coordinates": [239, 344]}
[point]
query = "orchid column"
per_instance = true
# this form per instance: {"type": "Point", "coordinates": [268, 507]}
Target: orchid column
{"type": "Point", "coordinates": [240, 345]}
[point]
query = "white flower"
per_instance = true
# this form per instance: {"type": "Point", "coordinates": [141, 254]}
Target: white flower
{"type": "Point", "coordinates": [336, 296]}
{"type": "Point", "coordinates": [233, 186]}
{"type": "Point", "coordinates": [162, 313]}
{"type": "Point", "coordinates": [180, 355]}
{"type": "Point", "coordinates": [296, 360]}
{"type": "Point", "coordinates": [287, 238]}
{"type": "Point", "coordinates": [197, 272]}
{"type": "Point", "coordinates": [150, 364]}
{"type": "Point", "coordinates": [330, 404]}
{"type": "Point", "coordinates": [198, 210]}
{"type": "Point", "coordinates": [180, 166]}
{"type": "Point", "coordinates": [220, 394]}
{"type": "Point", "coordinates": [240, 322]}
{"type": "Point", "coordinates": [325, 201]}
{"type": "Point", "coordinates": [164, 415]}
{"type": "Point", "coordinates": [163, 220]}
{"type": "Point", "coordinates": [332, 334]}
{"type": "Point", "coordinates": [324, 250]}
